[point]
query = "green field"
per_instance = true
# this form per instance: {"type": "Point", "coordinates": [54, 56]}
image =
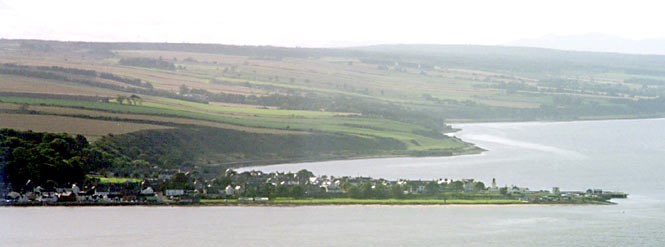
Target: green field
{"type": "Point", "coordinates": [351, 201]}
{"type": "Point", "coordinates": [116, 180]}
{"type": "Point", "coordinates": [268, 119]}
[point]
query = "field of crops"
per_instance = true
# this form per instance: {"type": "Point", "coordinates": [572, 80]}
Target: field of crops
{"type": "Point", "coordinates": [11, 83]}
{"type": "Point", "coordinates": [58, 124]}
{"type": "Point", "coordinates": [253, 120]}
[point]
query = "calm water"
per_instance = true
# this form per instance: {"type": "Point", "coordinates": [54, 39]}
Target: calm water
{"type": "Point", "coordinates": [625, 155]}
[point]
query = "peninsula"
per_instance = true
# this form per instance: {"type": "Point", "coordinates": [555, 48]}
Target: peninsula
{"type": "Point", "coordinates": [255, 188]}
{"type": "Point", "coordinates": [58, 169]}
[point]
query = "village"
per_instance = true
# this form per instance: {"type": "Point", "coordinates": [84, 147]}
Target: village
{"type": "Point", "coordinates": [175, 187]}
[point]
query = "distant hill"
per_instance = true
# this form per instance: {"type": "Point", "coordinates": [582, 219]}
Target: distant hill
{"type": "Point", "coordinates": [537, 62]}
{"type": "Point", "coordinates": [595, 42]}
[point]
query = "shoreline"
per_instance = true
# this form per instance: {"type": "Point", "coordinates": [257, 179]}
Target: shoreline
{"type": "Point", "coordinates": [471, 151]}
{"type": "Point", "coordinates": [280, 205]}
{"type": "Point", "coordinates": [508, 121]}
{"type": "Point", "coordinates": [308, 203]}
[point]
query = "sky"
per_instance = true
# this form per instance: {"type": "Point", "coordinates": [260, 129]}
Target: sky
{"type": "Point", "coordinates": [326, 23]}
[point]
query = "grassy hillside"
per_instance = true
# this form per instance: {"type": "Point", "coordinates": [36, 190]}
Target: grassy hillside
{"type": "Point", "coordinates": [188, 146]}
{"type": "Point", "coordinates": [380, 100]}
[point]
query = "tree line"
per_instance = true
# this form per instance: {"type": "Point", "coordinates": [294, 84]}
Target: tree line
{"type": "Point", "coordinates": [41, 158]}
{"type": "Point", "coordinates": [147, 63]}
{"type": "Point", "coordinates": [22, 70]}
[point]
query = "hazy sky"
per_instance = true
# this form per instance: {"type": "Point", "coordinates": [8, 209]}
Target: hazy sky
{"type": "Point", "coordinates": [325, 23]}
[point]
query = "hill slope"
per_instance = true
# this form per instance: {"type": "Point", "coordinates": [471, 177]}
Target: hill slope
{"type": "Point", "coordinates": [597, 42]}
{"type": "Point", "coordinates": [378, 100]}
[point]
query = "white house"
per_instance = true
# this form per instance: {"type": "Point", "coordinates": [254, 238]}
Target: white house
{"type": "Point", "coordinates": [332, 186]}
{"type": "Point", "coordinates": [75, 189]}
{"type": "Point", "coordinates": [229, 191]}
{"type": "Point", "coordinates": [469, 184]}
{"type": "Point", "coordinates": [515, 189]}
{"type": "Point", "coordinates": [148, 191]}
{"type": "Point", "coordinates": [174, 192]}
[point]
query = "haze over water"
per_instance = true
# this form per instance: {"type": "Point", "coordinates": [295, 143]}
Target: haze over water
{"type": "Point", "coordinates": [624, 155]}
{"type": "Point", "coordinates": [618, 155]}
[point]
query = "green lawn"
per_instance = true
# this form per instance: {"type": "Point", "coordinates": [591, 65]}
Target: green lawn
{"type": "Point", "coordinates": [351, 201]}
{"type": "Point", "coordinates": [115, 180]}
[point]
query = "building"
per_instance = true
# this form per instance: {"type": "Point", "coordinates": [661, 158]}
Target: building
{"type": "Point", "coordinates": [229, 191]}
{"type": "Point", "coordinates": [166, 175]}
{"type": "Point", "coordinates": [517, 190]}
{"type": "Point", "coordinates": [174, 192]}
{"type": "Point", "coordinates": [469, 184]}
{"type": "Point", "coordinates": [332, 186]}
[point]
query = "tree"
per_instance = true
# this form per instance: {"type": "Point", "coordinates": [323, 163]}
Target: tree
{"type": "Point", "coordinates": [380, 191]}
{"type": "Point", "coordinates": [456, 186]}
{"type": "Point", "coordinates": [297, 192]}
{"type": "Point", "coordinates": [354, 192]}
{"type": "Point", "coordinates": [60, 146]}
{"type": "Point", "coordinates": [136, 99]}
{"type": "Point", "coordinates": [81, 142]}
{"type": "Point", "coordinates": [366, 190]}
{"type": "Point", "coordinates": [120, 99]}
{"type": "Point", "coordinates": [479, 186]}
{"type": "Point", "coordinates": [179, 181]}
{"type": "Point", "coordinates": [503, 190]}
{"type": "Point", "coordinates": [432, 188]}
{"type": "Point", "coordinates": [39, 157]}
{"type": "Point", "coordinates": [64, 159]}
{"type": "Point", "coordinates": [50, 185]}
{"type": "Point", "coordinates": [303, 176]}
{"type": "Point", "coordinates": [184, 89]}
{"type": "Point", "coordinates": [397, 191]}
